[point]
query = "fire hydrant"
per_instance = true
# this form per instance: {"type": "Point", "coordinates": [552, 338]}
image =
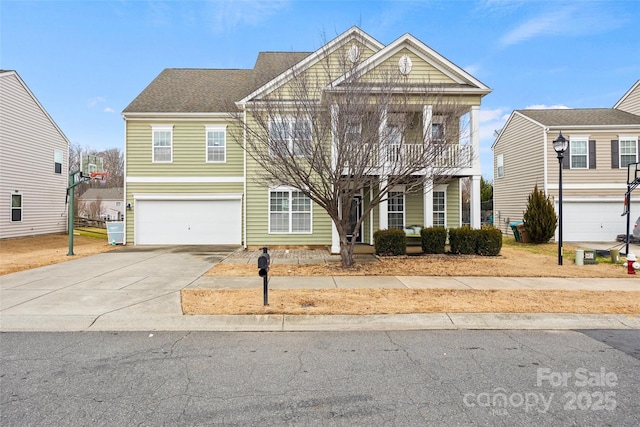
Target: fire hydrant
{"type": "Point", "coordinates": [631, 264]}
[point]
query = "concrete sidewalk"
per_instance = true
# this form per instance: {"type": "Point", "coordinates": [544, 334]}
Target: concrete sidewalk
{"type": "Point", "coordinates": [139, 290]}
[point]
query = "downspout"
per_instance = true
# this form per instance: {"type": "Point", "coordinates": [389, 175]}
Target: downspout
{"type": "Point", "coordinates": [545, 171]}
{"type": "Point", "coordinates": [124, 156]}
{"type": "Point", "coordinates": [244, 171]}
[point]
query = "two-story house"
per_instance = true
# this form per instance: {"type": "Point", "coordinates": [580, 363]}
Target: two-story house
{"type": "Point", "coordinates": [34, 155]}
{"type": "Point", "coordinates": [602, 142]}
{"type": "Point", "coordinates": [188, 175]}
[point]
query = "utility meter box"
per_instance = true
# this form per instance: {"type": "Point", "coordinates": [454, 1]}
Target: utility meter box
{"type": "Point", "coordinates": [590, 256]}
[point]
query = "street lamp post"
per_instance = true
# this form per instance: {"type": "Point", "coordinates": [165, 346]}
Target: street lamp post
{"type": "Point", "coordinates": [560, 145]}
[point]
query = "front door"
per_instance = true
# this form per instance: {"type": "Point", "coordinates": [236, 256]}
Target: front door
{"type": "Point", "coordinates": [354, 215]}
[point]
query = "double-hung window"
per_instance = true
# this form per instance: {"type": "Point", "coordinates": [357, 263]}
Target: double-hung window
{"type": "Point", "coordinates": [437, 132]}
{"type": "Point", "coordinates": [439, 204]}
{"type": "Point", "coordinates": [628, 150]}
{"type": "Point", "coordinates": [500, 165]}
{"type": "Point", "coordinates": [216, 144]}
{"type": "Point", "coordinates": [162, 144]}
{"type": "Point", "coordinates": [289, 135]}
{"type": "Point", "coordinates": [396, 209]}
{"type": "Point", "coordinates": [289, 211]}
{"type": "Point", "coordinates": [16, 207]}
{"type": "Point", "coordinates": [579, 153]}
{"type": "Point", "coordinates": [57, 161]}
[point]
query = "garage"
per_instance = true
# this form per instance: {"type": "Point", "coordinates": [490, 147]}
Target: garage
{"type": "Point", "coordinates": [188, 219]}
{"type": "Point", "coordinates": [589, 221]}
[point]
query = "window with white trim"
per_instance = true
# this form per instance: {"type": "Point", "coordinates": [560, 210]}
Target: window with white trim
{"type": "Point", "coordinates": [500, 165]}
{"type": "Point", "coordinates": [628, 150]}
{"type": "Point", "coordinates": [437, 132]}
{"type": "Point", "coordinates": [289, 212]}
{"type": "Point", "coordinates": [579, 153]}
{"type": "Point", "coordinates": [289, 136]}
{"type": "Point", "coordinates": [162, 144]}
{"type": "Point", "coordinates": [439, 209]}
{"type": "Point", "coordinates": [57, 161]}
{"type": "Point", "coordinates": [16, 208]}
{"type": "Point", "coordinates": [395, 209]}
{"type": "Point", "coordinates": [216, 144]}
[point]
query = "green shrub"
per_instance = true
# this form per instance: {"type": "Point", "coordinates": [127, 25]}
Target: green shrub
{"type": "Point", "coordinates": [489, 241]}
{"type": "Point", "coordinates": [390, 242]}
{"type": "Point", "coordinates": [540, 218]}
{"type": "Point", "coordinates": [463, 240]}
{"type": "Point", "coordinates": [433, 240]}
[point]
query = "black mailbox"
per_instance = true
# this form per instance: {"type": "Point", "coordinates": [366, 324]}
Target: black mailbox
{"type": "Point", "coordinates": [263, 263]}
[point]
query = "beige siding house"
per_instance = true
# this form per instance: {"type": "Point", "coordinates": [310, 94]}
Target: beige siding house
{"type": "Point", "coordinates": [190, 181]}
{"type": "Point", "coordinates": [602, 142]}
{"type": "Point", "coordinates": [33, 163]}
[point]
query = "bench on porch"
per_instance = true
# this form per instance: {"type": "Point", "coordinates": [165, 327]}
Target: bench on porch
{"type": "Point", "coordinates": [414, 238]}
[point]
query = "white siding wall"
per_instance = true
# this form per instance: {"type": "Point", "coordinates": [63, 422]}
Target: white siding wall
{"type": "Point", "coordinates": [28, 138]}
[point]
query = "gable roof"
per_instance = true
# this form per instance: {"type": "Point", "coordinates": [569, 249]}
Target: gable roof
{"type": "Point", "coordinates": [12, 73]}
{"type": "Point", "coordinates": [202, 90]}
{"type": "Point", "coordinates": [627, 94]}
{"type": "Point", "coordinates": [462, 79]}
{"type": "Point", "coordinates": [585, 117]}
{"type": "Point", "coordinates": [353, 33]}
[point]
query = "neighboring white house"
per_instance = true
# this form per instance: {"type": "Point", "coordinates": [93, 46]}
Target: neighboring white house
{"type": "Point", "coordinates": [34, 155]}
{"type": "Point", "coordinates": [105, 203]}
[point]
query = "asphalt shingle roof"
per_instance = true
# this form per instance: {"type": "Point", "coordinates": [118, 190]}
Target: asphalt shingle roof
{"type": "Point", "coordinates": [582, 117]}
{"type": "Point", "coordinates": [103, 193]}
{"type": "Point", "coordinates": [191, 90]}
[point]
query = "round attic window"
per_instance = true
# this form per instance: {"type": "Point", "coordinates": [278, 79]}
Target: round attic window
{"type": "Point", "coordinates": [405, 64]}
{"type": "Point", "coordinates": [354, 53]}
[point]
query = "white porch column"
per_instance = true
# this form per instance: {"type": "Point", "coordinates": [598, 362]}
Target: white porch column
{"type": "Point", "coordinates": [383, 210]}
{"type": "Point", "coordinates": [475, 202]}
{"type": "Point", "coordinates": [427, 118]}
{"type": "Point", "coordinates": [474, 128]}
{"type": "Point", "coordinates": [335, 237]}
{"type": "Point", "coordinates": [335, 110]}
{"type": "Point", "coordinates": [427, 195]}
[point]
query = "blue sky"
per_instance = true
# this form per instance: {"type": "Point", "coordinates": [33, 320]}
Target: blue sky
{"type": "Point", "coordinates": [87, 60]}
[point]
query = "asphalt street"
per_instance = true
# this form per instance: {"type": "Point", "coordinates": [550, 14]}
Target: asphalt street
{"type": "Point", "coordinates": [541, 378]}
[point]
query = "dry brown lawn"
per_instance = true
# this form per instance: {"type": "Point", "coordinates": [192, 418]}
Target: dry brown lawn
{"type": "Point", "coordinates": [403, 301]}
{"type": "Point", "coordinates": [515, 260]}
{"type": "Point", "coordinates": [24, 253]}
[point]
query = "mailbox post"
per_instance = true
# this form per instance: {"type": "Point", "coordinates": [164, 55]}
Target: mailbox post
{"type": "Point", "coordinates": [264, 261]}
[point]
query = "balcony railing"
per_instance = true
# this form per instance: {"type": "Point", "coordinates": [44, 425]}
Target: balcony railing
{"type": "Point", "coordinates": [447, 156]}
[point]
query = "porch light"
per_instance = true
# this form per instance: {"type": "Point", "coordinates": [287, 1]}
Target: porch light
{"type": "Point", "coordinates": [560, 145]}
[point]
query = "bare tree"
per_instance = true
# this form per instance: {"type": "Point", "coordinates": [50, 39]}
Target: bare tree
{"type": "Point", "coordinates": [343, 130]}
{"type": "Point", "coordinates": [113, 163]}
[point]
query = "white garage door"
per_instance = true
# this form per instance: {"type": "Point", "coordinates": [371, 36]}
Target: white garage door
{"type": "Point", "coordinates": [594, 221]}
{"type": "Point", "coordinates": [188, 222]}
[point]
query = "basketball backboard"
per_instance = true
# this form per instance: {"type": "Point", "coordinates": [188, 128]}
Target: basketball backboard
{"type": "Point", "coordinates": [92, 166]}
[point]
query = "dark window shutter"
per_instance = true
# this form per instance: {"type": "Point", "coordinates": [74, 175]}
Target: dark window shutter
{"type": "Point", "coordinates": [566, 160]}
{"type": "Point", "coordinates": [614, 154]}
{"type": "Point", "coordinates": [592, 154]}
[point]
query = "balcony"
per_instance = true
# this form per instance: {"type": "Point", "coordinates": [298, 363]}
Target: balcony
{"type": "Point", "coordinates": [445, 156]}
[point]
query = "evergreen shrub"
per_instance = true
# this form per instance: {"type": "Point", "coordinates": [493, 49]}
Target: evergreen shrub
{"type": "Point", "coordinates": [433, 240]}
{"type": "Point", "coordinates": [390, 242]}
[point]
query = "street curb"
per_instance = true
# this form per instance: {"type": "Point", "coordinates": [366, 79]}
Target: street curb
{"type": "Point", "coordinates": [317, 323]}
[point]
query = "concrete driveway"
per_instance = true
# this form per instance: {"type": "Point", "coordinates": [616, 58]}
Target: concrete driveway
{"type": "Point", "coordinates": [77, 294]}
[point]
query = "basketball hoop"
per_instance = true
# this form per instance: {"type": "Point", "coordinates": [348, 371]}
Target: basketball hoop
{"type": "Point", "coordinates": [99, 175]}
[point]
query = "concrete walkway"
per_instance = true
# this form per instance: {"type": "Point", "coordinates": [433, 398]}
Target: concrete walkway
{"type": "Point", "coordinates": [138, 289]}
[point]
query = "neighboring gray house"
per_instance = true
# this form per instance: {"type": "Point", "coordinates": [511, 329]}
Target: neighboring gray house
{"type": "Point", "coordinates": [103, 203]}
{"type": "Point", "coordinates": [34, 168]}
{"type": "Point", "coordinates": [602, 142]}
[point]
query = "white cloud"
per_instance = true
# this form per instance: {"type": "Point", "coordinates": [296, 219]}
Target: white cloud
{"type": "Point", "coordinates": [109, 110]}
{"type": "Point", "coordinates": [577, 20]}
{"type": "Point", "coordinates": [472, 69]}
{"type": "Point", "coordinates": [95, 101]}
{"type": "Point", "coordinates": [227, 15]}
{"type": "Point", "coordinates": [546, 107]}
